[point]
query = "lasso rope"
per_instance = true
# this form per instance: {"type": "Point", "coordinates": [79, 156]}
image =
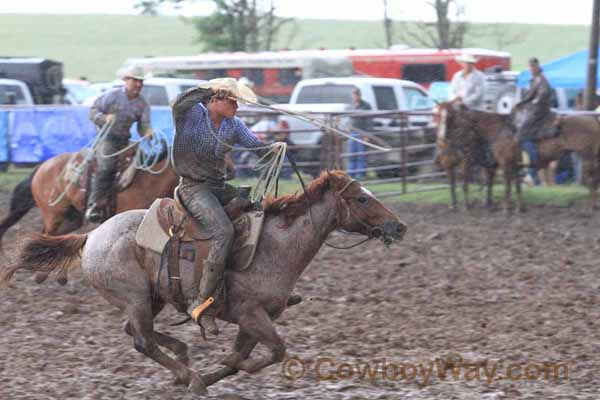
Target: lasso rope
{"type": "Point", "coordinates": [270, 163]}
{"type": "Point", "coordinates": [141, 163]}
{"type": "Point", "coordinates": [307, 118]}
{"type": "Point", "coordinates": [148, 163]}
{"type": "Point", "coordinates": [79, 169]}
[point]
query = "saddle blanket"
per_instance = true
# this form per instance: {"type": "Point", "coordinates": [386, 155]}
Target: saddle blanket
{"type": "Point", "coordinates": [124, 176]}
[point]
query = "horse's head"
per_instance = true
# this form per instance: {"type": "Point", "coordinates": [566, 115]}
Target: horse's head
{"type": "Point", "coordinates": [450, 117]}
{"type": "Point", "coordinates": [359, 211]}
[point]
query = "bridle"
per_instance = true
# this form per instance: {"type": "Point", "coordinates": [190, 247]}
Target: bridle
{"type": "Point", "coordinates": [372, 231]}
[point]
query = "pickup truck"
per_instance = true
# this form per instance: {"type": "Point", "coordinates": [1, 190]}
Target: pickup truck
{"type": "Point", "coordinates": [325, 95]}
{"type": "Point", "coordinates": [15, 92]}
{"type": "Point", "coordinates": [156, 91]}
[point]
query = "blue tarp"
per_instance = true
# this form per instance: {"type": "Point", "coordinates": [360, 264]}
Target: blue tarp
{"type": "Point", "coordinates": [4, 136]}
{"type": "Point", "coordinates": [568, 72]}
{"type": "Point", "coordinates": [39, 133]}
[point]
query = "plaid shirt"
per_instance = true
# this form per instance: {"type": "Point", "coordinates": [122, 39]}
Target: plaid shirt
{"type": "Point", "coordinates": [197, 154]}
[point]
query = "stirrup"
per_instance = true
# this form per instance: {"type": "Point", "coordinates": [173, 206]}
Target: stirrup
{"type": "Point", "coordinates": [197, 312]}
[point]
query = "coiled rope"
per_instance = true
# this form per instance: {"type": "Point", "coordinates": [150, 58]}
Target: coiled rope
{"type": "Point", "coordinates": [146, 164]}
{"type": "Point", "coordinates": [79, 169]}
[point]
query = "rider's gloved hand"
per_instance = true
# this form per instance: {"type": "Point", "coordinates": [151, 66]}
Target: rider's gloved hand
{"type": "Point", "coordinates": [109, 118]}
{"type": "Point", "coordinates": [148, 134]}
{"type": "Point", "coordinates": [278, 145]}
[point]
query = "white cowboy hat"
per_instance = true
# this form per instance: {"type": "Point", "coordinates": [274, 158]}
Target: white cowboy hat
{"type": "Point", "coordinates": [134, 72]}
{"type": "Point", "coordinates": [466, 58]}
{"type": "Point", "coordinates": [237, 89]}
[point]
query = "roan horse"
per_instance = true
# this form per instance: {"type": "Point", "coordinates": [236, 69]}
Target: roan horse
{"type": "Point", "coordinates": [460, 134]}
{"type": "Point", "coordinates": [294, 229]}
{"type": "Point", "coordinates": [578, 133]}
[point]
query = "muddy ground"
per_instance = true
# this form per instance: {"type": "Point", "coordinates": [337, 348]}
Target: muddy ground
{"type": "Point", "coordinates": [505, 295]}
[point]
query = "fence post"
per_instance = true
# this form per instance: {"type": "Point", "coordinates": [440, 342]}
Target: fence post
{"type": "Point", "coordinates": [403, 155]}
{"type": "Point", "coordinates": [325, 150]}
{"type": "Point", "coordinates": [337, 155]}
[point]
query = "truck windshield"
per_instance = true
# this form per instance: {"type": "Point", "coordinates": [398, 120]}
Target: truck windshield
{"type": "Point", "coordinates": [320, 94]}
{"type": "Point", "coordinates": [11, 94]}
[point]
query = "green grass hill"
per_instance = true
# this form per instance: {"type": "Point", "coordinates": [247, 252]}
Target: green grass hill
{"type": "Point", "coordinates": [97, 45]}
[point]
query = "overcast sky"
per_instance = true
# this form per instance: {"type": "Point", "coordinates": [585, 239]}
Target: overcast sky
{"type": "Point", "coordinates": [527, 11]}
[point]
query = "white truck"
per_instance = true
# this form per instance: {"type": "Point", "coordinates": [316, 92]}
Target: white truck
{"type": "Point", "coordinates": [15, 92]}
{"type": "Point", "coordinates": [334, 95]}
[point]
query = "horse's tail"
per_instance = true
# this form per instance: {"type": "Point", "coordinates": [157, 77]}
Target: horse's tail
{"type": "Point", "coordinates": [47, 254]}
{"type": "Point", "coordinates": [20, 203]}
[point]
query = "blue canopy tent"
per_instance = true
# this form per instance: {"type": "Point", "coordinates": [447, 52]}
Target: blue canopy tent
{"type": "Point", "coordinates": [568, 72]}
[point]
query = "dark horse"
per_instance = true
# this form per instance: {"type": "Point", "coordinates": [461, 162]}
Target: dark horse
{"type": "Point", "coordinates": [45, 184]}
{"type": "Point", "coordinates": [295, 227]}
{"type": "Point", "coordinates": [578, 133]}
{"type": "Point", "coordinates": [461, 134]}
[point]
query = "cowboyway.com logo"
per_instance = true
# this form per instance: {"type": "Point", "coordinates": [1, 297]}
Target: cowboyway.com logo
{"type": "Point", "coordinates": [453, 367]}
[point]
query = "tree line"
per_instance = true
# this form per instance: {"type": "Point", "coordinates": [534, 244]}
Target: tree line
{"type": "Point", "coordinates": [252, 25]}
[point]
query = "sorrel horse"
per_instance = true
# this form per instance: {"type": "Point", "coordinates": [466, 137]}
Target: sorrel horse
{"type": "Point", "coordinates": [461, 133]}
{"type": "Point", "coordinates": [43, 186]}
{"type": "Point", "coordinates": [295, 227]}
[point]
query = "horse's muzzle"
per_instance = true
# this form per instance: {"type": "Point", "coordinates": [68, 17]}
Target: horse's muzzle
{"type": "Point", "coordinates": [393, 230]}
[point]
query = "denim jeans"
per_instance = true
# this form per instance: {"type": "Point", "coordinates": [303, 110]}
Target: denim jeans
{"type": "Point", "coordinates": [357, 163]}
{"type": "Point", "coordinates": [529, 147]}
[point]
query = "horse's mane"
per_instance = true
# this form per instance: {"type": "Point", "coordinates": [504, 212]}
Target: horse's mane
{"type": "Point", "coordinates": [294, 205]}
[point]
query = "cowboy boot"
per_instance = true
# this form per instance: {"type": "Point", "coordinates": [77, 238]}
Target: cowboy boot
{"type": "Point", "coordinates": [94, 210]}
{"type": "Point", "coordinates": [203, 309]}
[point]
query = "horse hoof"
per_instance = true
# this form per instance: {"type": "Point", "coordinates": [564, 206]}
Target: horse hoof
{"type": "Point", "coordinates": [184, 359]}
{"type": "Point", "coordinates": [181, 382]}
{"type": "Point", "coordinates": [247, 366]}
{"type": "Point", "coordinates": [40, 277]}
{"type": "Point", "coordinates": [232, 360]}
{"type": "Point", "coordinates": [197, 386]}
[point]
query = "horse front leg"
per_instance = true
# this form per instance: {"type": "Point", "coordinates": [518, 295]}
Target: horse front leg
{"type": "Point", "coordinates": [244, 343]}
{"type": "Point", "coordinates": [452, 176]}
{"type": "Point", "coordinates": [258, 325]}
{"type": "Point", "coordinates": [466, 178]}
{"type": "Point", "coordinates": [491, 173]}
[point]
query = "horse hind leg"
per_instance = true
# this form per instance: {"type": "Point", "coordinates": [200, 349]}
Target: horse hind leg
{"type": "Point", "coordinates": [594, 181]}
{"type": "Point", "coordinates": [176, 346]}
{"type": "Point", "coordinates": [145, 340]}
{"type": "Point", "coordinates": [518, 183]}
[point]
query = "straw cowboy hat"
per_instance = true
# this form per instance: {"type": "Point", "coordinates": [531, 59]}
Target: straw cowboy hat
{"type": "Point", "coordinates": [466, 58]}
{"type": "Point", "coordinates": [238, 89]}
{"type": "Point", "coordinates": [134, 72]}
